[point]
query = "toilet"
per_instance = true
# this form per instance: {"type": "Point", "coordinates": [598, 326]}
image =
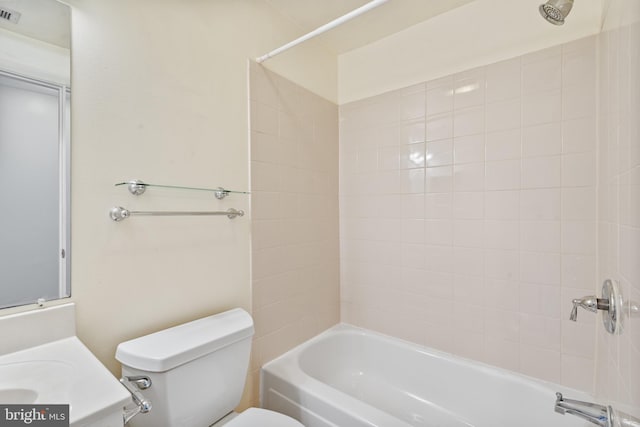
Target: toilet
{"type": "Point", "coordinates": [197, 371]}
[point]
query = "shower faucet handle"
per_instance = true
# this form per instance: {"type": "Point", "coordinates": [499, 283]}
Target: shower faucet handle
{"type": "Point", "coordinates": [611, 305]}
{"type": "Point", "coordinates": [590, 303]}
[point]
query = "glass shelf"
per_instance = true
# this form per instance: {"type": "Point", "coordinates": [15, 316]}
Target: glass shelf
{"type": "Point", "coordinates": [137, 187]}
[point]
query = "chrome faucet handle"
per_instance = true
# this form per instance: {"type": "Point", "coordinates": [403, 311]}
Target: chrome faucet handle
{"type": "Point", "coordinates": [611, 304]}
{"type": "Point", "coordinates": [574, 311]}
{"type": "Point", "coordinates": [590, 303]}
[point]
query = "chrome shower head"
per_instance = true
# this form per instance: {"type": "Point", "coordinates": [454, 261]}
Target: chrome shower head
{"type": "Point", "coordinates": [555, 11]}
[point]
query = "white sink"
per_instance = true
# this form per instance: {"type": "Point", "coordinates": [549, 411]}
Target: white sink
{"type": "Point", "coordinates": [58, 371]}
{"type": "Point", "coordinates": [35, 381]}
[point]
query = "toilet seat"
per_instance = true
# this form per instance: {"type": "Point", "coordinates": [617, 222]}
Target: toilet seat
{"type": "Point", "coordinates": [254, 417]}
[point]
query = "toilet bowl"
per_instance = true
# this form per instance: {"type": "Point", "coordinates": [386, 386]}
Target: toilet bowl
{"type": "Point", "coordinates": [197, 372]}
{"type": "Point", "coordinates": [255, 417]}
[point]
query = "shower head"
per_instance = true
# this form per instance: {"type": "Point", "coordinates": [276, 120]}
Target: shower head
{"type": "Point", "coordinates": [555, 11]}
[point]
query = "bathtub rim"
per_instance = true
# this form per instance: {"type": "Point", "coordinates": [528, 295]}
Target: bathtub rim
{"type": "Point", "coordinates": [429, 351]}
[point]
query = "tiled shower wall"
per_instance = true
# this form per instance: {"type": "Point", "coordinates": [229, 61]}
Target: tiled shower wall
{"type": "Point", "coordinates": [618, 368]}
{"type": "Point", "coordinates": [468, 213]}
{"type": "Point", "coordinates": [294, 205]}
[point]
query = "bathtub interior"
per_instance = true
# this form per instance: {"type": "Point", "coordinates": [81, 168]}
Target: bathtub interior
{"type": "Point", "coordinates": [422, 387]}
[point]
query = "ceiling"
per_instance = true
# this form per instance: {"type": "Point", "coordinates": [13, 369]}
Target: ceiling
{"type": "Point", "coordinates": [391, 17]}
{"type": "Point", "coordinates": [45, 20]}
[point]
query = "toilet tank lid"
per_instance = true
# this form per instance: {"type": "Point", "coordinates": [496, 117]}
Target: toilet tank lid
{"type": "Point", "coordinates": [169, 348]}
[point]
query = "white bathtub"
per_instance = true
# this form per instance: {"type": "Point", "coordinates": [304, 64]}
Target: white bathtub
{"type": "Point", "coordinates": [351, 377]}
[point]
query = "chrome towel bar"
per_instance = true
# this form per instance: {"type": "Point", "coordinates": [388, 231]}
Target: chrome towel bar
{"type": "Point", "coordinates": [118, 213]}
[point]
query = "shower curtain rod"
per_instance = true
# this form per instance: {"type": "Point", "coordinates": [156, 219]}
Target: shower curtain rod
{"type": "Point", "coordinates": [322, 29]}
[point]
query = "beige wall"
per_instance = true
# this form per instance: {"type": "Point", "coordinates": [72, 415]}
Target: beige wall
{"type": "Point", "coordinates": [481, 32]}
{"type": "Point", "coordinates": [294, 201]}
{"type": "Point", "coordinates": [160, 94]}
{"type": "Point", "coordinates": [618, 357]}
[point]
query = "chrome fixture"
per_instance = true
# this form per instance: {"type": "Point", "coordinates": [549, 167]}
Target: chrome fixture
{"type": "Point", "coordinates": [555, 11]}
{"type": "Point", "coordinates": [604, 416]}
{"type": "Point", "coordinates": [323, 29]}
{"type": "Point", "coordinates": [610, 304]}
{"type": "Point", "coordinates": [589, 303]}
{"type": "Point", "coordinates": [137, 188]}
{"type": "Point", "coordinates": [592, 412]}
{"type": "Point", "coordinates": [118, 213]}
{"type": "Point", "coordinates": [133, 385]}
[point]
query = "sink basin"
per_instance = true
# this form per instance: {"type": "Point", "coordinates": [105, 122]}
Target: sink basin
{"type": "Point", "coordinates": [64, 372]}
{"type": "Point", "coordinates": [35, 381]}
{"type": "Point", "coordinates": [11, 396]}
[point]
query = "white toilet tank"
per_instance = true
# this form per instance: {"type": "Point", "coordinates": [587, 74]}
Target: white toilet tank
{"type": "Point", "coordinates": [197, 369]}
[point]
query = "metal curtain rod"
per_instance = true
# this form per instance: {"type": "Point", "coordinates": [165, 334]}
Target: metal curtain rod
{"type": "Point", "coordinates": [322, 29]}
{"type": "Point", "coordinates": [119, 213]}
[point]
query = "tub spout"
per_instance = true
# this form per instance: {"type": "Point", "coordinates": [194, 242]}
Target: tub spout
{"type": "Point", "coordinates": [594, 413]}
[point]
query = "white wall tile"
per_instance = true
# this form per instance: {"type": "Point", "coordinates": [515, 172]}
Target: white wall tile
{"type": "Point", "coordinates": [541, 363]}
{"type": "Point", "coordinates": [576, 370]}
{"type": "Point", "coordinates": [577, 169]}
{"type": "Point", "coordinates": [438, 232]}
{"type": "Point", "coordinates": [579, 135]}
{"type": "Point", "coordinates": [540, 204]}
{"type": "Point", "coordinates": [469, 121]}
{"type": "Point", "coordinates": [468, 205]}
{"type": "Point", "coordinates": [542, 172]}
{"type": "Point", "coordinates": [503, 175]}
{"type": "Point", "coordinates": [579, 237]}
{"type": "Point", "coordinates": [503, 145]}
{"type": "Point", "coordinates": [411, 132]}
{"type": "Point", "coordinates": [439, 127]}
{"type": "Point", "coordinates": [389, 158]}
{"type": "Point", "coordinates": [503, 295]}
{"type": "Point", "coordinates": [541, 107]}
{"type": "Point", "coordinates": [439, 179]}
{"type": "Point", "coordinates": [502, 235]}
{"type": "Point", "coordinates": [503, 80]}
{"type": "Point", "coordinates": [504, 205]}
{"type": "Point", "coordinates": [496, 220]}
{"type": "Point", "coordinates": [439, 153]}
{"type": "Point", "coordinates": [469, 87]}
{"type": "Point", "coordinates": [579, 63]}
{"type": "Point", "coordinates": [579, 271]}
{"type": "Point", "coordinates": [412, 181]}
{"type": "Point", "coordinates": [499, 352]}
{"type": "Point", "coordinates": [578, 101]}
{"type": "Point", "coordinates": [579, 203]}
{"type": "Point", "coordinates": [412, 206]}
{"type": "Point", "coordinates": [503, 115]}
{"type": "Point", "coordinates": [540, 331]}
{"type": "Point", "coordinates": [468, 233]}
{"type": "Point", "coordinates": [438, 205]}
{"type": "Point", "coordinates": [440, 99]}
{"type": "Point", "coordinates": [470, 260]}
{"type": "Point", "coordinates": [541, 300]}
{"type": "Point", "coordinates": [439, 258]}
{"type": "Point", "coordinates": [468, 177]}
{"type": "Point", "coordinates": [502, 265]}
{"type": "Point", "coordinates": [412, 105]}
{"type": "Point", "coordinates": [542, 140]}
{"type": "Point", "coordinates": [412, 156]}
{"type": "Point", "coordinates": [541, 267]}
{"type": "Point", "coordinates": [469, 149]}
{"type": "Point", "coordinates": [295, 208]}
{"type": "Point", "coordinates": [542, 74]}
{"type": "Point", "coordinates": [540, 236]}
